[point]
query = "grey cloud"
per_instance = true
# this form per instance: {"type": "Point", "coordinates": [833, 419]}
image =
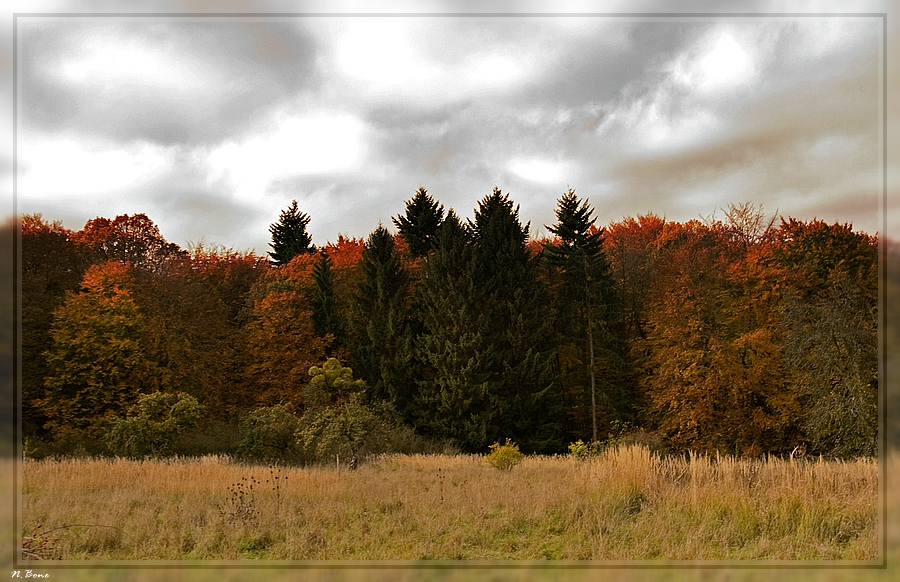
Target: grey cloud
{"type": "Point", "coordinates": [259, 64]}
{"type": "Point", "coordinates": [348, 205]}
{"type": "Point", "coordinates": [768, 148]}
{"type": "Point", "coordinates": [192, 215]}
{"type": "Point", "coordinates": [780, 125]}
{"type": "Point", "coordinates": [458, 150]}
{"type": "Point", "coordinates": [590, 72]}
{"type": "Point", "coordinates": [396, 116]}
{"type": "Point", "coordinates": [189, 209]}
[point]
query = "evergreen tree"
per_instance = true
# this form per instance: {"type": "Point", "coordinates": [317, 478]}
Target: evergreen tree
{"type": "Point", "coordinates": [289, 236]}
{"type": "Point", "coordinates": [382, 350]}
{"type": "Point", "coordinates": [421, 222]}
{"type": "Point", "coordinates": [588, 309]}
{"type": "Point", "coordinates": [501, 257]}
{"type": "Point", "coordinates": [325, 316]}
{"type": "Point", "coordinates": [454, 400]}
{"type": "Point", "coordinates": [519, 341]}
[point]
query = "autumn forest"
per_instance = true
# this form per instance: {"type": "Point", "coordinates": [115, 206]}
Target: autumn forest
{"type": "Point", "coordinates": [742, 333]}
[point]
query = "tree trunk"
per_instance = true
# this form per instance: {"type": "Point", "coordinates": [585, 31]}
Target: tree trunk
{"type": "Point", "coordinates": [593, 381]}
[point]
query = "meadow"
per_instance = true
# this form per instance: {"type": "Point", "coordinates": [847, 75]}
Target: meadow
{"type": "Point", "coordinates": [624, 505]}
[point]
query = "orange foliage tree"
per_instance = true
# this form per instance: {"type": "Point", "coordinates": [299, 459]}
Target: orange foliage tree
{"type": "Point", "coordinates": [97, 365]}
{"type": "Point", "coordinates": [281, 336]}
{"type": "Point", "coordinates": [131, 239]}
{"type": "Point", "coordinates": [194, 310]}
{"type": "Point", "coordinates": [712, 372]}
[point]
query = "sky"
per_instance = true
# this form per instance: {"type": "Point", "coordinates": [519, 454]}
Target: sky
{"type": "Point", "coordinates": [211, 126]}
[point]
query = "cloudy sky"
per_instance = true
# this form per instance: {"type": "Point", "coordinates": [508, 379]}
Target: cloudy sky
{"type": "Point", "coordinates": [213, 125]}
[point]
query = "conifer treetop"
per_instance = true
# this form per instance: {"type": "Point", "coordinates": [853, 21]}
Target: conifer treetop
{"type": "Point", "coordinates": [289, 236]}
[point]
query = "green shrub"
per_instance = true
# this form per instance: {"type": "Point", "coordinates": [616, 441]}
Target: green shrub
{"type": "Point", "coordinates": [340, 424]}
{"type": "Point", "coordinates": [153, 425]}
{"type": "Point", "coordinates": [505, 457]}
{"type": "Point", "coordinates": [214, 437]}
{"type": "Point", "coordinates": [579, 449]}
{"type": "Point", "coordinates": [267, 434]}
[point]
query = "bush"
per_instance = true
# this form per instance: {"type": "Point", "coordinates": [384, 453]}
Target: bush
{"type": "Point", "coordinates": [339, 423]}
{"type": "Point", "coordinates": [583, 450]}
{"type": "Point", "coordinates": [267, 434]}
{"type": "Point", "coordinates": [626, 434]}
{"type": "Point", "coordinates": [215, 437]}
{"type": "Point", "coordinates": [505, 457]}
{"type": "Point", "coordinates": [153, 425]}
{"type": "Point", "coordinates": [349, 431]}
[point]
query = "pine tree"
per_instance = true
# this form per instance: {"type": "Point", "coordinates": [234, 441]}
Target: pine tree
{"type": "Point", "coordinates": [501, 257]}
{"type": "Point", "coordinates": [382, 351]}
{"type": "Point", "coordinates": [289, 236]}
{"type": "Point", "coordinates": [421, 222]}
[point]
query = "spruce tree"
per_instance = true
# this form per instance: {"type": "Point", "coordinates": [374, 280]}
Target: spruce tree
{"type": "Point", "coordinates": [289, 236]}
{"type": "Point", "coordinates": [454, 400]}
{"type": "Point", "coordinates": [324, 313]}
{"type": "Point", "coordinates": [519, 328]}
{"type": "Point", "coordinates": [421, 222]}
{"type": "Point", "coordinates": [382, 350]}
{"type": "Point", "coordinates": [588, 310]}
{"type": "Point", "coordinates": [501, 256]}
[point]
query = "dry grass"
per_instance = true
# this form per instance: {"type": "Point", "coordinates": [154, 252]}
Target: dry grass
{"type": "Point", "coordinates": [624, 505]}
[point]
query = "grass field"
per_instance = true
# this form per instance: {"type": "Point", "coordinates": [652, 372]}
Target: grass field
{"type": "Point", "coordinates": [624, 505]}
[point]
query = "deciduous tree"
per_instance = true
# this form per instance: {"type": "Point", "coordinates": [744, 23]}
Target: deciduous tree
{"type": "Point", "coordinates": [97, 365]}
{"type": "Point", "coordinates": [134, 239]}
{"type": "Point", "coordinates": [52, 264]}
{"type": "Point", "coordinates": [830, 323]}
{"type": "Point", "coordinates": [153, 424]}
{"type": "Point", "coordinates": [281, 336]}
{"type": "Point", "coordinates": [338, 422]}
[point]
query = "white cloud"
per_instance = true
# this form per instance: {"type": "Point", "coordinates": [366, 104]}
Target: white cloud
{"type": "Point", "coordinates": [317, 143]}
{"type": "Point", "coordinates": [492, 71]}
{"type": "Point", "coordinates": [539, 170]}
{"type": "Point", "coordinates": [717, 64]}
{"type": "Point", "coordinates": [820, 39]}
{"type": "Point", "coordinates": [659, 122]}
{"type": "Point", "coordinates": [123, 63]}
{"type": "Point", "coordinates": [63, 167]}
{"type": "Point", "coordinates": [383, 56]}
{"type": "Point", "coordinates": [422, 62]}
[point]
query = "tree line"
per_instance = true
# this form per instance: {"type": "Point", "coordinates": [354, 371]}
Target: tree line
{"type": "Point", "coordinates": [746, 334]}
